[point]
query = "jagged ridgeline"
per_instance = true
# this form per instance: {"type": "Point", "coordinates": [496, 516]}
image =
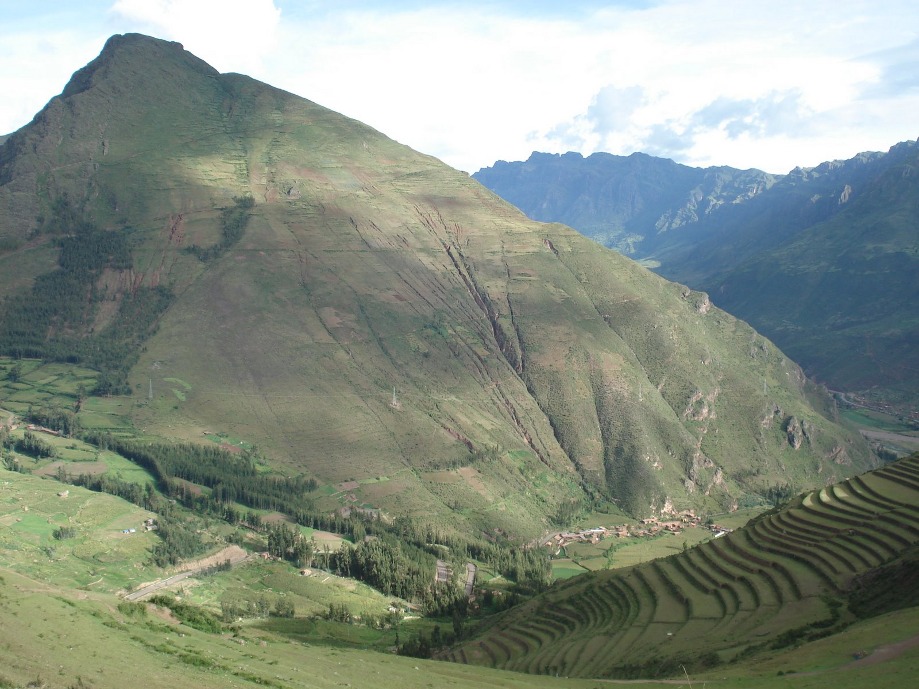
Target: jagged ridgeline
{"type": "Point", "coordinates": [363, 312]}
{"type": "Point", "coordinates": [794, 574]}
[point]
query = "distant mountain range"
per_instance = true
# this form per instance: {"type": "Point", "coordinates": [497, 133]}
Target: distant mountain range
{"type": "Point", "coordinates": [825, 260]}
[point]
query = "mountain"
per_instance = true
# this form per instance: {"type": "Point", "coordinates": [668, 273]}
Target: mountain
{"type": "Point", "coordinates": [822, 260]}
{"type": "Point", "coordinates": [632, 203]}
{"type": "Point", "coordinates": [831, 277]}
{"type": "Point", "coordinates": [248, 263]}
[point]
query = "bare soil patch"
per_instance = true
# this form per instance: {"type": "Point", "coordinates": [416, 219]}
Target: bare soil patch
{"type": "Point", "coordinates": [472, 478]}
{"type": "Point", "coordinates": [276, 518]}
{"type": "Point", "coordinates": [165, 614]}
{"type": "Point", "coordinates": [233, 553]}
{"type": "Point", "coordinates": [327, 537]}
{"type": "Point", "coordinates": [375, 491]}
{"type": "Point", "coordinates": [192, 488]}
{"type": "Point", "coordinates": [884, 653]}
{"type": "Point", "coordinates": [73, 468]}
{"type": "Point", "coordinates": [443, 477]}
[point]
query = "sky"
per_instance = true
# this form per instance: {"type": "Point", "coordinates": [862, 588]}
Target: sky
{"type": "Point", "coordinates": [768, 84]}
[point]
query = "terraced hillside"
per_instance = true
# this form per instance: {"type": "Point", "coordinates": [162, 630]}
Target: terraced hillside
{"type": "Point", "coordinates": [780, 579]}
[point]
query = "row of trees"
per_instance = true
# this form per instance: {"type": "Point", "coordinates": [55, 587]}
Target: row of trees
{"type": "Point", "coordinates": [55, 417]}
{"type": "Point", "coordinates": [30, 444]}
{"type": "Point", "coordinates": [231, 478]}
{"type": "Point", "coordinates": [179, 540]}
{"type": "Point", "coordinates": [398, 558]}
{"type": "Point", "coordinates": [260, 606]}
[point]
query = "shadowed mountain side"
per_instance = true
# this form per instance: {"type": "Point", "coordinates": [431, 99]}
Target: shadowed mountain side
{"type": "Point", "coordinates": [385, 317]}
{"type": "Point", "coordinates": [842, 294]}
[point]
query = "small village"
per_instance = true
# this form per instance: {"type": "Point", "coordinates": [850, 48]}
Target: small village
{"type": "Point", "coordinates": [649, 527]}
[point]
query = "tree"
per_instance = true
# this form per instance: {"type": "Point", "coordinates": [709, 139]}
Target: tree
{"type": "Point", "coordinates": [283, 607]}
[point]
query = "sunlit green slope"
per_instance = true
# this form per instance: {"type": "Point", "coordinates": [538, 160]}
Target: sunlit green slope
{"type": "Point", "coordinates": [378, 315]}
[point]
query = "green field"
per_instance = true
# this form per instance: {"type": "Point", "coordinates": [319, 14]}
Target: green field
{"type": "Point", "coordinates": [73, 638]}
{"type": "Point", "coordinates": [59, 598]}
{"type": "Point", "coordinates": [869, 418]}
{"type": "Point", "coordinates": [99, 557]}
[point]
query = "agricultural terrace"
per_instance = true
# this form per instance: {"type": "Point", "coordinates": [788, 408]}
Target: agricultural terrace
{"type": "Point", "coordinates": [777, 580]}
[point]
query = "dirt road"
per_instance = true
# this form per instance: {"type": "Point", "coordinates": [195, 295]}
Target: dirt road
{"type": "Point", "coordinates": [232, 554]}
{"type": "Point", "coordinates": [910, 441]}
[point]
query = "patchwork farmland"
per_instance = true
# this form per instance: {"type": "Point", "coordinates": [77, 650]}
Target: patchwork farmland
{"type": "Point", "coordinates": [780, 579]}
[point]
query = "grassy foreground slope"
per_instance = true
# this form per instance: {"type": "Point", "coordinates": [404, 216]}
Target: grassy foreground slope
{"type": "Point", "coordinates": [61, 630]}
{"type": "Point", "coordinates": [793, 575]}
{"type": "Point", "coordinates": [57, 638]}
{"type": "Point", "coordinates": [377, 315]}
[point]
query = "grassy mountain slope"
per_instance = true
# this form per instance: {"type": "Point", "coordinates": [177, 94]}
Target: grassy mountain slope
{"type": "Point", "coordinates": [360, 311]}
{"type": "Point", "coordinates": [789, 576]}
{"type": "Point", "coordinates": [852, 276]}
{"type": "Point", "coordinates": [797, 201]}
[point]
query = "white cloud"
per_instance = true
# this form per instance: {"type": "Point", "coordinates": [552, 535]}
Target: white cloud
{"type": "Point", "coordinates": [34, 66]}
{"type": "Point", "coordinates": [758, 85]}
{"type": "Point", "coordinates": [769, 85]}
{"type": "Point", "coordinates": [233, 35]}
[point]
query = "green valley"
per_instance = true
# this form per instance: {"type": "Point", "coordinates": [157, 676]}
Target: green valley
{"type": "Point", "coordinates": [286, 403]}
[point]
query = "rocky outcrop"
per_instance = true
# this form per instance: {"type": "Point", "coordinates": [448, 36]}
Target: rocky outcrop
{"type": "Point", "coordinates": [797, 431]}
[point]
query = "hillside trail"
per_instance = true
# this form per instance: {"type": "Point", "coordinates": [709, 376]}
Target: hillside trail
{"type": "Point", "coordinates": [884, 653]}
{"type": "Point", "coordinates": [232, 554]}
{"type": "Point", "coordinates": [881, 654]}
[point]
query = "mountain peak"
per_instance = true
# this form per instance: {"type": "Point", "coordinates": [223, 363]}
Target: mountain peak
{"type": "Point", "coordinates": [133, 48]}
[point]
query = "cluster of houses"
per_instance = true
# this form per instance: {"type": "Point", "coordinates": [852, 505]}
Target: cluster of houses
{"type": "Point", "coordinates": [647, 527]}
{"type": "Point", "coordinates": [149, 525]}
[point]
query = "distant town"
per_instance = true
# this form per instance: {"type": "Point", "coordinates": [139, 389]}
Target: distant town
{"type": "Point", "coordinates": [647, 527]}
